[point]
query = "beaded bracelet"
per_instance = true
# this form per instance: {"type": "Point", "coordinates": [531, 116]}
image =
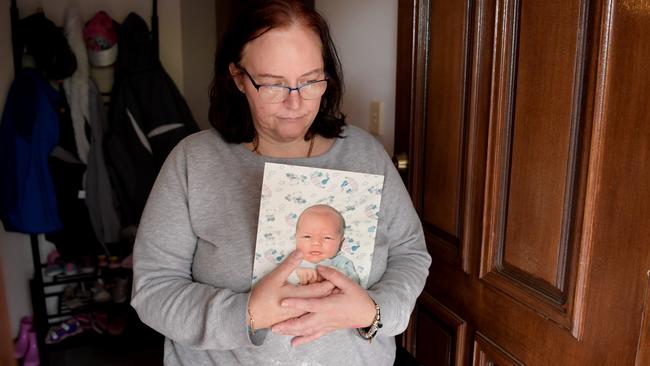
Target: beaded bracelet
{"type": "Point", "coordinates": [251, 322]}
{"type": "Point", "coordinates": [370, 332]}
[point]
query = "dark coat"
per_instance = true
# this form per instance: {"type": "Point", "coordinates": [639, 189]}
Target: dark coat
{"type": "Point", "coordinates": [148, 117]}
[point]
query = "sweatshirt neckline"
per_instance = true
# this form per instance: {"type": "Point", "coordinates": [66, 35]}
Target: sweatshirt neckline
{"type": "Point", "coordinates": [253, 157]}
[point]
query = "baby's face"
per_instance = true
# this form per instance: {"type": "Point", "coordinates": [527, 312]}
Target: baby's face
{"type": "Point", "coordinates": [318, 235]}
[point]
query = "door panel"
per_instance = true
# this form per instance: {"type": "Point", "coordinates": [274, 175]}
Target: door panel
{"type": "Point", "coordinates": [537, 151]}
{"type": "Point", "coordinates": [488, 353]}
{"type": "Point", "coordinates": [530, 168]}
{"type": "Point", "coordinates": [446, 111]}
{"type": "Point", "coordinates": [441, 336]}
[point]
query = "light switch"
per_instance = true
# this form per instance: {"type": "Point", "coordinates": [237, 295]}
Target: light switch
{"type": "Point", "coordinates": [376, 117]}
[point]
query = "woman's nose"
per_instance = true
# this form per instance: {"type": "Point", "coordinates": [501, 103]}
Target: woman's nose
{"type": "Point", "coordinates": [293, 100]}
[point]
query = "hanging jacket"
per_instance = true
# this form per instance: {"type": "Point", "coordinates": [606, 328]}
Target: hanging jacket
{"type": "Point", "coordinates": [100, 197]}
{"type": "Point", "coordinates": [28, 133]}
{"type": "Point", "coordinates": [148, 117]}
{"type": "Point", "coordinates": [77, 236]}
{"type": "Point", "coordinates": [88, 123]}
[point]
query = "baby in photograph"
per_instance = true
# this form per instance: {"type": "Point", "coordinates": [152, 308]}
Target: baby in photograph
{"type": "Point", "coordinates": [319, 235]}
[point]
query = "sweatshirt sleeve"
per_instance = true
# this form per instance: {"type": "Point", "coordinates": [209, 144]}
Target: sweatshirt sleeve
{"type": "Point", "coordinates": [165, 295]}
{"type": "Point", "coordinates": [408, 261]}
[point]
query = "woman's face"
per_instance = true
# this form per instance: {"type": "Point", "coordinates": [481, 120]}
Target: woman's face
{"type": "Point", "coordinates": [289, 56]}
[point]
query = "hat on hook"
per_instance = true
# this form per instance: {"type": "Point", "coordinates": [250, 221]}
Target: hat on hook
{"type": "Point", "coordinates": [100, 36]}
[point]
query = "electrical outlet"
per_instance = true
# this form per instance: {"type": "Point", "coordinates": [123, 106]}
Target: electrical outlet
{"type": "Point", "coordinates": [376, 117]}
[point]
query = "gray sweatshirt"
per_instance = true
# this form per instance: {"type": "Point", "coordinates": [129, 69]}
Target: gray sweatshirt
{"type": "Point", "coordinates": [193, 256]}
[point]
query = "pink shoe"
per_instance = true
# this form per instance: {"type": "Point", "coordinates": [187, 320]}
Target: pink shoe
{"type": "Point", "coordinates": [22, 344]}
{"type": "Point", "coordinates": [32, 358]}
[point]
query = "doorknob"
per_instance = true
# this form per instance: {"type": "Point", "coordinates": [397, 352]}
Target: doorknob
{"type": "Point", "coordinates": [401, 161]}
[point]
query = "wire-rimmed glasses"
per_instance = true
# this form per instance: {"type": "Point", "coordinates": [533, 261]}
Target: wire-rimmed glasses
{"type": "Point", "coordinates": [279, 93]}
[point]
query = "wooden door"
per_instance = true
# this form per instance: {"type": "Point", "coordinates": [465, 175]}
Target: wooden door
{"type": "Point", "coordinates": [527, 124]}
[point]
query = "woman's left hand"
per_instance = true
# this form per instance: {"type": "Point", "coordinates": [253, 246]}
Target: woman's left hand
{"type": "Point", "coordinates": [348, 306]}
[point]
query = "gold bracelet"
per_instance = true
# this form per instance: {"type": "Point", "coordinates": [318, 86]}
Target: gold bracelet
{"type": "Point", "coordinates": [251, 322]}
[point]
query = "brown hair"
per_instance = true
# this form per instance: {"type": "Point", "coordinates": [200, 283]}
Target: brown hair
{"type": "Point", "coordinates": [229, 111]}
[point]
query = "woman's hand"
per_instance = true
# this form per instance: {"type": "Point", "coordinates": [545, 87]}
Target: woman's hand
{"type": "Point", "coordinates": [348, 306]}
{"type": "Point", "coordinates": [264, 303]}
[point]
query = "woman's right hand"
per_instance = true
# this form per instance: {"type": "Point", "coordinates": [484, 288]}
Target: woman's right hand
{"type": "Point", "coordinates": [264, 303]}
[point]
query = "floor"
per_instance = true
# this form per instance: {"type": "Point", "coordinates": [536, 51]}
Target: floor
{"type": "Point", "coordinates": [138, 345]}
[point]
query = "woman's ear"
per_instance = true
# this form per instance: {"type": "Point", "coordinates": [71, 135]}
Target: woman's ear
{"type": "Point", "coordinates": [235, 73]}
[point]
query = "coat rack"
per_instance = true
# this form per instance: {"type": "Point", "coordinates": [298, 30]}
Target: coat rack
{"type": "Point", "coordinates": [36, 283]}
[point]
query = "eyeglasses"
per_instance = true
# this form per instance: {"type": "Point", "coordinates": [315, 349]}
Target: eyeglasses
{"type": "Point", "coordinates": [279, 93]}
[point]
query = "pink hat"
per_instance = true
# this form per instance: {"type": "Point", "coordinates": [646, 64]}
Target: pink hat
{"type": "Point", "coordinates": [101, 40]}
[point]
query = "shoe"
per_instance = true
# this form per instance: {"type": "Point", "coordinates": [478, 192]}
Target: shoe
{"type": "Point", "coordinates": [99, 292]}
{"type": "Point", "coordinates": [64, 330]}
{"type": "Point", "coordinates": [32, 357]}
{"type": "Point", "coordinates": [22, 343]}
{"type": "Point", "coordinates": [70, 269]}
{"type": "Point", "coordinates": [84, 321]}
{"type": "Point", "coordinates": [53, 269]}
{"type": "Point", "coordinates": [86, 265]}
{"type": "Point", "coordinates": [99, 321]}
{"type": "Point", "coordinates": [70, 298]}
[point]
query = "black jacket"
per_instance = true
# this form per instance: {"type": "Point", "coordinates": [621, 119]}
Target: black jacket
{"type": "Point", "coordinates": [148, 117]}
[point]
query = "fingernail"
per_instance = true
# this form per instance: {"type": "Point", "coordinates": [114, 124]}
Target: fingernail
{"type": "Point", "coordinates": [284, 304]}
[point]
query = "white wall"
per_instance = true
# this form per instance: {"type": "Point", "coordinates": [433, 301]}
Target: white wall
{"type": "Point", "coordinates": [199, 47]}
{"type": "Point", "coordinates": [190, 73]}
{"type": "Point", "coordinates": [365, 34]}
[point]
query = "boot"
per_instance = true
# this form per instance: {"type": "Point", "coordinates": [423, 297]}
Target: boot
{"type": "Point", "coordinates": [22, 344]}
{"type": "Point", "coordinates": [32, 358]}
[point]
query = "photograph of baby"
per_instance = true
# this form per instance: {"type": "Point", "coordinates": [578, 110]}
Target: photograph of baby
{"type": "Point", "coordinates": [319, 235]}
{"type": "Point", "coordinates": [331, 216]}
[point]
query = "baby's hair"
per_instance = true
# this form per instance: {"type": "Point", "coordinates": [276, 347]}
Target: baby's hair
{"type": "Point", "coordinates": [329, 208]}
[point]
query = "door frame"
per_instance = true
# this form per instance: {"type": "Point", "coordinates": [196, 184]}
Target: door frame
{"type": "Point", "coordinates": [410, 108]}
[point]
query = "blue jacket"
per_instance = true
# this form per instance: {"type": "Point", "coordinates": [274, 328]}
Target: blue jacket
{"type": "Point", "coordinates": [28, 133]}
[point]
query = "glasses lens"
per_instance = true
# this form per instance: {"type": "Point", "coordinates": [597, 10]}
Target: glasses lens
{"type": "Point", "coordinates": [273, 94]}
{"type": "Point", "coordinates": [313, 90]}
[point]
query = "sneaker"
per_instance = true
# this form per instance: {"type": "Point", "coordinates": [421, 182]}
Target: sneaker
{"type": "Point", "coordinates": [99, 292]}
{"type": "Point", "coordinates": [99, 321]}
{"type": "Point", "coordinates": [84, 320]}
{"type": "Point", "coordinates": [62, 331]}
{"type": "Point", "coordinates": [53, 269]}
{"type": "Point", "coordinates": [70, 269]}
{"type": "Point", "coordinates": [86, 265]}
{"type": "Point", "coordinates": [69, 297]}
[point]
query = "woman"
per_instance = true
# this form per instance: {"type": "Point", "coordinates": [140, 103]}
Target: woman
{"type": "Point", "coordinates": [275, 98]}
